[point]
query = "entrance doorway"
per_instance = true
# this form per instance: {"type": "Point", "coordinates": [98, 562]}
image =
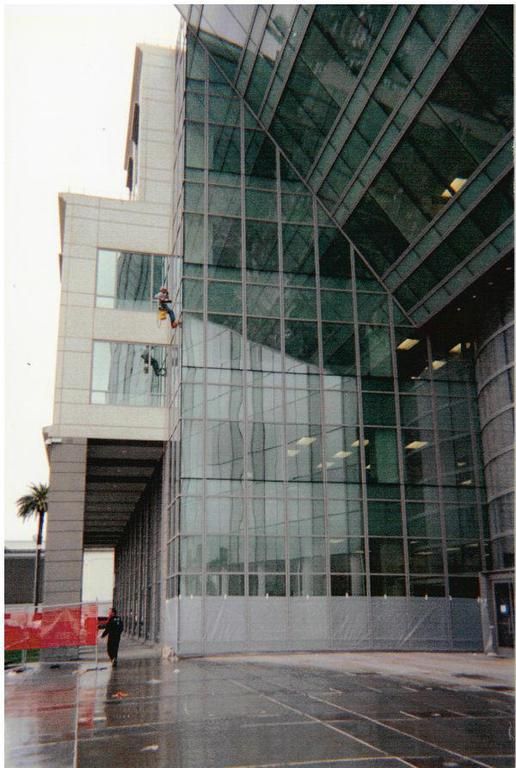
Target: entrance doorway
{"type": "Point", "coordinates": [504, 605]}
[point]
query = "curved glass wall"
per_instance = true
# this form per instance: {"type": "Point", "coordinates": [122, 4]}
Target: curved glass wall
{"type": "Point", "coordinates": [495, 382]}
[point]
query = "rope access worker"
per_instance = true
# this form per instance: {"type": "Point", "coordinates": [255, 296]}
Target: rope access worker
{"type": "Point", "coordinates": [165, 304]}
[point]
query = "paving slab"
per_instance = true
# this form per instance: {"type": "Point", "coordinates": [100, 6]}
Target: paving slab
{"type": "Point", "coordinates": [266, 711]}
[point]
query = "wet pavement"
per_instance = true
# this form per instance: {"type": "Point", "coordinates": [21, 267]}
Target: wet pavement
{"type": "Point", "coordinates": [312, 710]}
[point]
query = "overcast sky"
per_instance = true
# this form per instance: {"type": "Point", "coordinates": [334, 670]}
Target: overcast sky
{"type": "Point", "coordinates": [67, 83]}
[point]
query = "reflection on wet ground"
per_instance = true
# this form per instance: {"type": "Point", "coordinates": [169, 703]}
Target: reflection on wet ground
{"type": "Point", "coordinates": [200, 713]}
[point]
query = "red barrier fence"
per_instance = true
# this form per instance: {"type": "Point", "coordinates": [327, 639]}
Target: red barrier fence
{"type": "Point", "coordinates": [52, 627]}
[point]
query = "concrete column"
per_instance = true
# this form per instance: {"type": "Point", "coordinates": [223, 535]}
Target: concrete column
{"type": "Point", "coordinates": [65, 522]}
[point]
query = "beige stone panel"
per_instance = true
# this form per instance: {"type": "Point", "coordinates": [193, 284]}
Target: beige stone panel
{"type": "Point", "coordinates": [70, 459]}
{"type": "Point", "coordinates": [121, 433]}
{"type": "Point", "coordinates": [56, 596]}
{"type": "Point", "coordinates": [83, 231]}
{"type": "Point", "coordinates": [138, 327]}
{"type": "Point", "coordinates": [79, 321]}
{"type": "Point", "coordinates": [160, 174]}
{"type": "Point", "coordinates": [67, 548]}
{"type": "Point", "coordinates": [158, 191]}
{"type": "Point", "coordinates": [68, 526]}
{"type": "Point", "coordinates": [56, 571]}
{"type": "Point", "coordinates": [57, 406]}
{"type": "Point", "coordinates": [117, 432]}
{"type": "Point", "coordinates": [159, 155]}
{"type": "Point", "coordinates": [160, 116]}
{"type": "Point", "coordinates": [76, 371]}
{"type": "Point", "coordinates": [75, 299]}
{"type": "Point", "coordinates": [62, 316]}
{"type": "Point", "coordinates": [81, 276]}
{"type": "Point", "coordinates": [72, 449]}
{"type": "Point", "coordinates": [71, 482]}
{"type": "Point", "coordinates": [144, 239]}
{"type": "Point", "coordinates": [76, 396]}
{"type": "Point", "coordinates": [86, 252]}
{"type": "Point", "coordinates": [67, 506]}
{"type": "Point", "coordinates": [136, 219]}
{"type": "Point", "coordinates": [76, 345]}
{"type": "Point", "coordinates": [157, 72]}
{"type": "Point", "coordinates": [128, 206]}
{"type": "Point", "coordinates": [126, 418]}
{"type": "Point", "coordinates": [74, 200]}
{"type": "Point", "coordinates": [60, 353]}
{"type": "Point", "coordinates": [82, 211]}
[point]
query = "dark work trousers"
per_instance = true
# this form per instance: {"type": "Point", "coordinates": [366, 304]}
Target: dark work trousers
{"type": "Point", "coordinates": [112, 645]}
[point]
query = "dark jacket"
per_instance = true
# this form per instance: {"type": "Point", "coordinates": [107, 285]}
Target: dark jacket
{"type": "Point", "coordinates": [114, 627]}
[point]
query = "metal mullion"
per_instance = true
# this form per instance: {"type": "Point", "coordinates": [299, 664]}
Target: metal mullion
{"type": "Point", "coordinates": [361, 437]}
{"type": "Point", "coordinates": [458, 267]}
{"type": "Point", "coordinates": [205, 350]}
{"type": "Point", "coordinates": [442, 283]}
{"type": "Point", "coordinates": [476, 441]}
{"type": "Point", "coordinates": [359, 82]}
{"type": "Point", "coordinates": [321, 204]}
{"type": "Point", "coordinates": [243, 278]}
{"type": "Point", "coordinates": [401, 465]}
{"type": "Point", "coordinates": [245, 47]}
{"type": "Point", "coordinates": [245, 83]}
{"type": "Point", "coordinates": [495, 415]}
{"type": "Point", "coordinates": [292, 62]}
{"type": "Point", "coordinates": [410, 122]}
{"type": "Point", "coordinates": [501, 329]}
{"type": "Point", "coordinates": [430, 314]}
{"type": "Point", "coordinates": [442, 515]}
{"type": "Point", "coordinates": [281, 288]}
{"type": "Point", "coordinates": [433, 223]}
{"type": "Point", "coordinates": [408, 90]}
{"type": "Point", "coordinates": [278, 59]}
{"type": "Point", "coordinates": [322, 410]}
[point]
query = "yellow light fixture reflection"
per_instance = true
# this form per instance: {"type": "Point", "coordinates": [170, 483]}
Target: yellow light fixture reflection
{"type": "Point", "coordinates": [467, 482]}
{"type": "Point", "coordinates": [407, 344]}
{"type": "Point", "coordinates": [436, 364]}
{"type": "Point", "coordinates": [341, 454]}
{"type": "Point", "coordinates": [455, 186]}
{"type": "Point", "coordinates": [456, 349]}
{"type": "Point", "coordinates": [415, 444]}
{"type": "Point", "coordinates": [306, 440]}
{"type": "Point", "coordinates": [357, 443]}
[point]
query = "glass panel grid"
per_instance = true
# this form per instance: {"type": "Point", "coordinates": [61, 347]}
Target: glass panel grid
{"type": "Point", "coordinates": [311, 425]}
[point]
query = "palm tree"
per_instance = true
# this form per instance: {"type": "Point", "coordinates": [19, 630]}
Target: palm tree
{"type": "Point", "coordinates": [35, 503]}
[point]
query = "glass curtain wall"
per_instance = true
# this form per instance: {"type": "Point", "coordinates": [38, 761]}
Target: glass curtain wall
{"type": "Point", "coordinates": [327, 448]}
{"type": "Point", "coordinates": [138, 569]}
{"type": "Point", "coordinates": [128, 280]}
{"type": "Point", "coordinates": [128, 374]}
{"type": "Point", "coordinates": [394, 120]}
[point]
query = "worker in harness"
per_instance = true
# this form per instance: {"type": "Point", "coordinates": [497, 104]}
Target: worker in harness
{"type": "Point", "coordinates": [165, 305]}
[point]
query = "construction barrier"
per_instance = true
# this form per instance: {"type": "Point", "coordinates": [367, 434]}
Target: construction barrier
{"type": "Point", "coordinates": [50, 627]}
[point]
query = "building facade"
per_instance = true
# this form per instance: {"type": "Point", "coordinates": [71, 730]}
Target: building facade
{"type": "Point", "coordinates": [20, 573]}
{"type": "Point", "coordinates": [321, 457]}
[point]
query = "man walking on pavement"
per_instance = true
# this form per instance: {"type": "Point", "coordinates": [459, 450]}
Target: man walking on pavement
{"type": "Point", "coordinates": [113, 630]}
